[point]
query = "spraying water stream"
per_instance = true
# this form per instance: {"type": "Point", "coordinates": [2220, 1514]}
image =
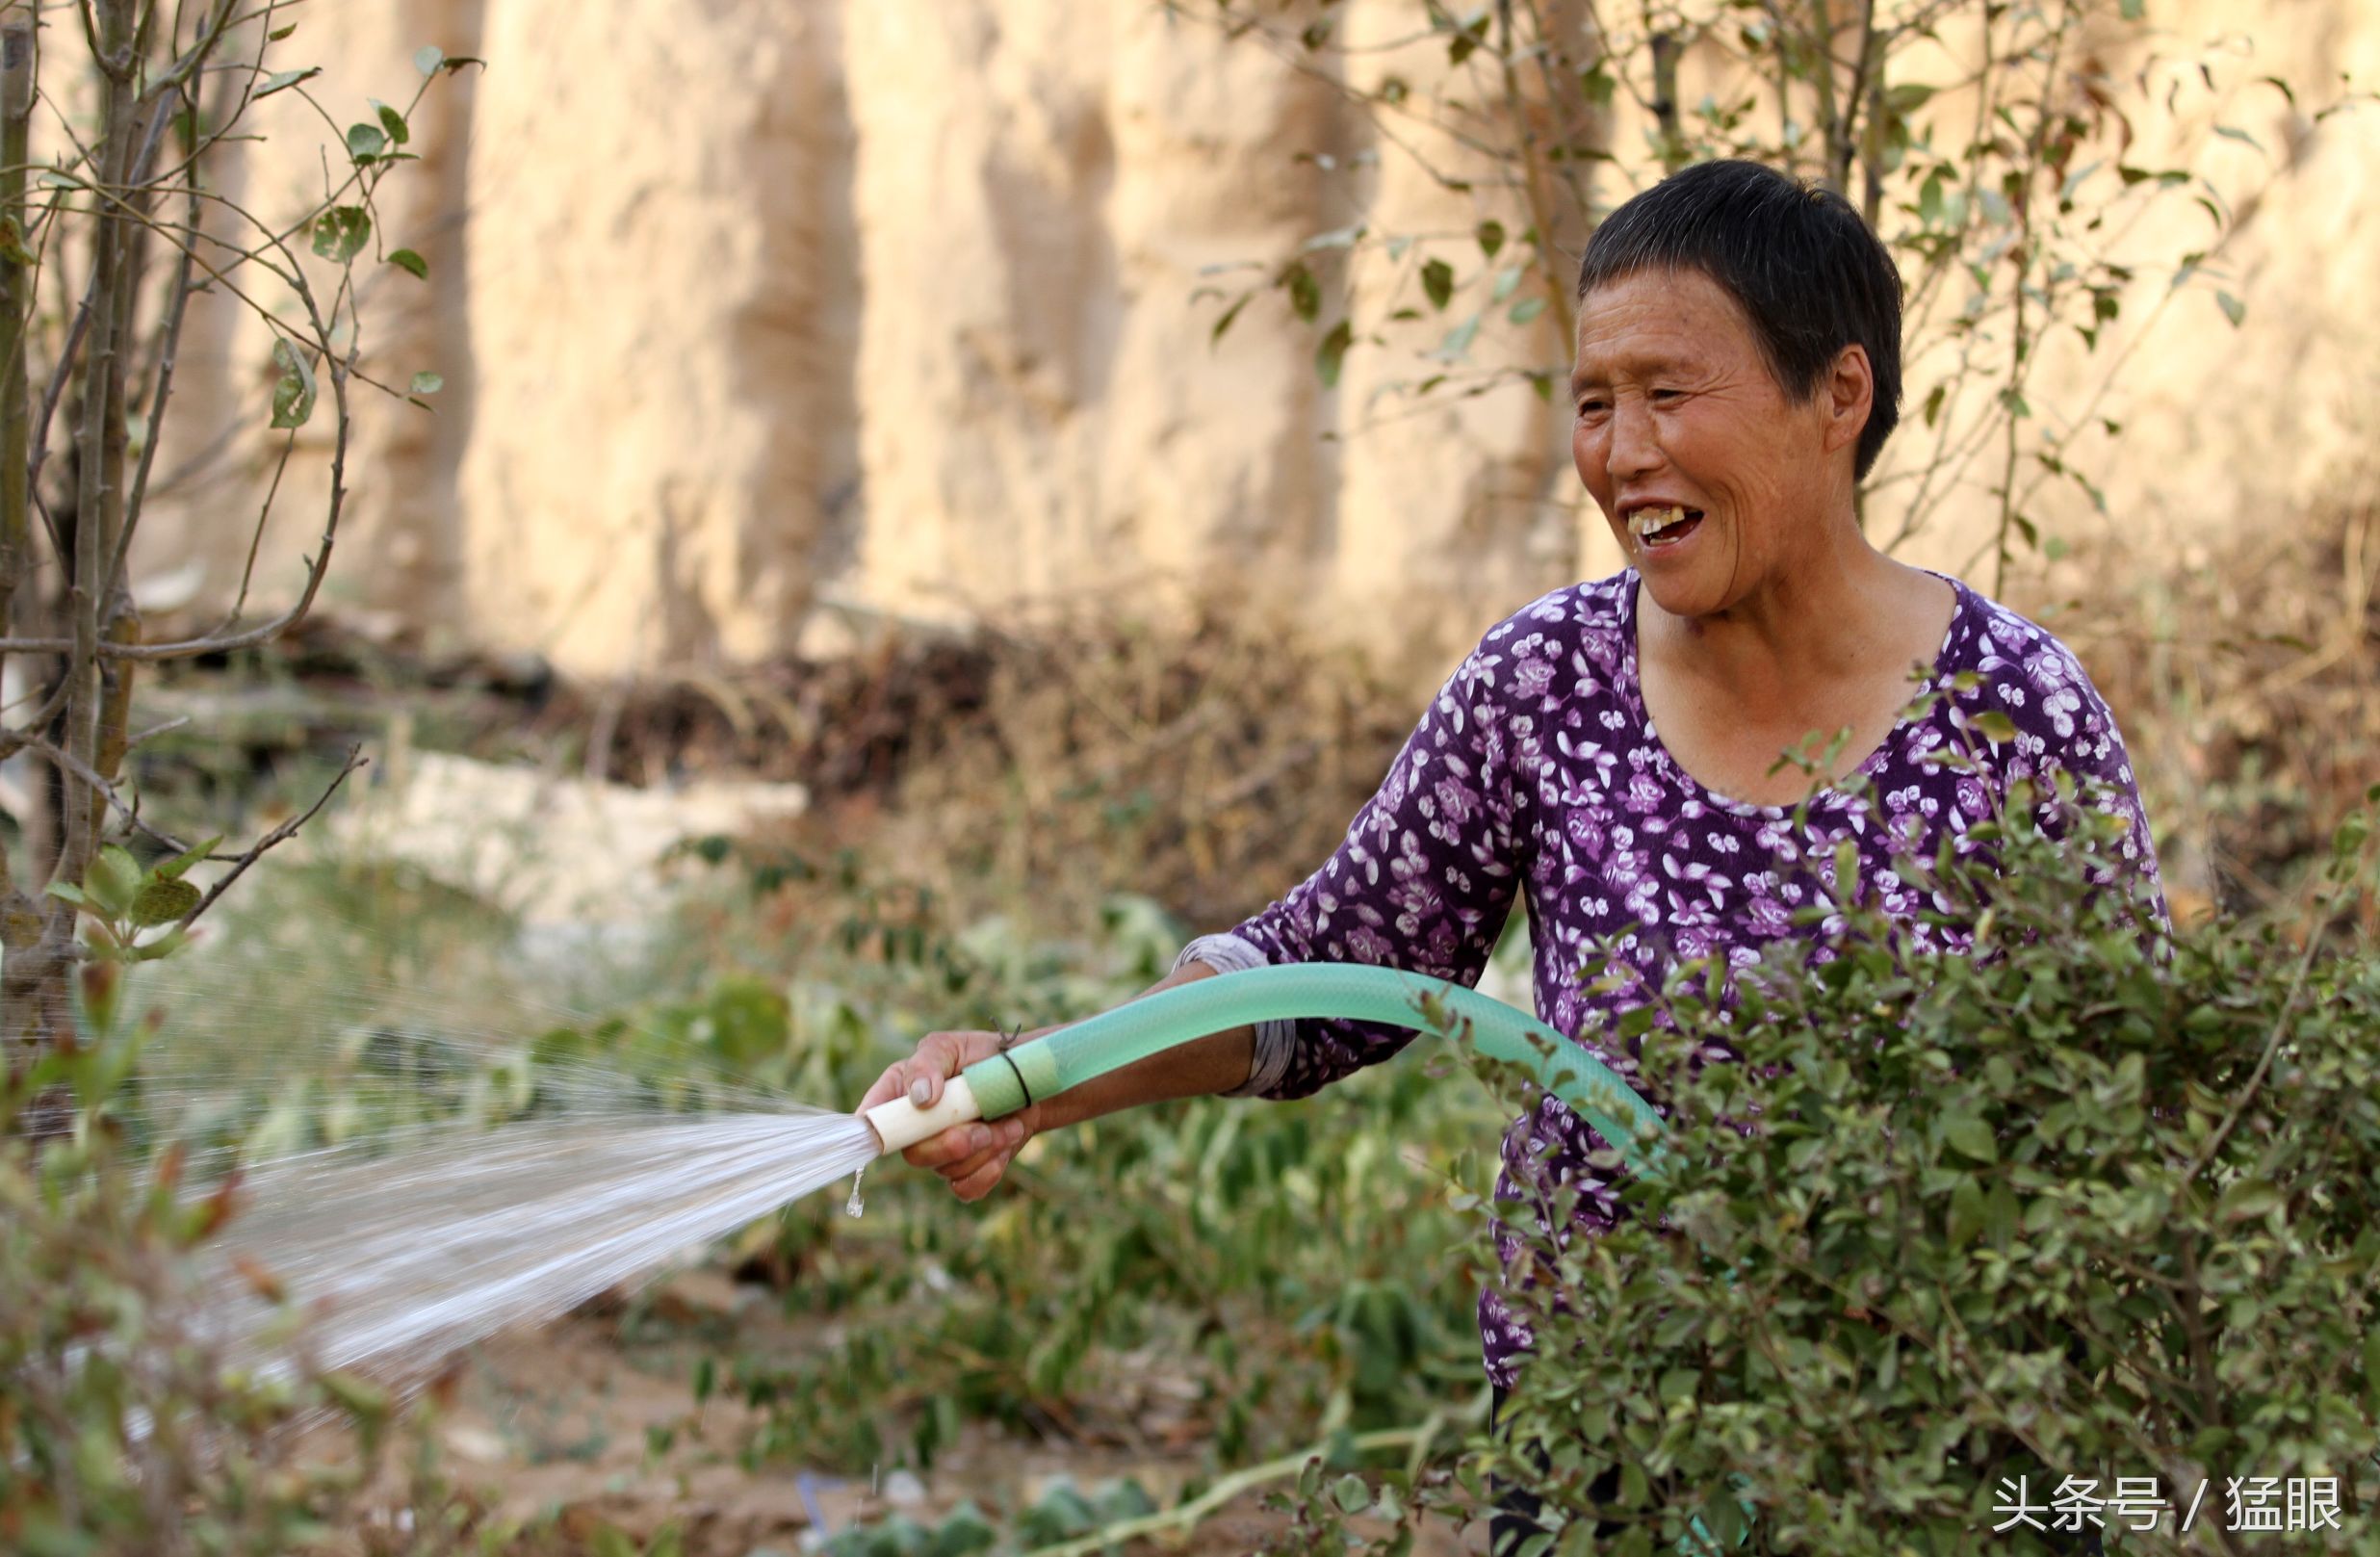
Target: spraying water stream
{"type": "Point", "coordinates": [401, 1261]}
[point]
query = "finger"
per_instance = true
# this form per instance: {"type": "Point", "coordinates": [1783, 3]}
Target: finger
{"type": "Point", "coordinates": [970, 1164]}
{"type": "Point", "coordinates": [985, 1142]}
{"type": "Point", "coordinates": [999, 1141]}
{"type": "Point", "coordinates": [939, 1056]}
{"type": "Point", "coordinates": [960, 1142]}
{"type": "Point", "coordinates": [888, 1086]}
{"type": "Point", "coordinates": [978, 1184]}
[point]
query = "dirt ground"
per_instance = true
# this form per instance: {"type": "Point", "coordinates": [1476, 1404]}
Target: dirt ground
{"type": "Point", "coordinates": [591, 1424]}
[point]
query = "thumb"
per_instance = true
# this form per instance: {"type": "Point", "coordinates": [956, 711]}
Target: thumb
{"type": "Point", "coordinates": [939, 1056]}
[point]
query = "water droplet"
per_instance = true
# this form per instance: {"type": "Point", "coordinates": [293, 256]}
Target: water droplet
{"type": "Point", "coordinates": [852, 1206]}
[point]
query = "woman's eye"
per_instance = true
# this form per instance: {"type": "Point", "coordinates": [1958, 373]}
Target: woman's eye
{"type": "Point", "coordinates": [1592, 405]}
{"type": "Point", "coordinates": [1664, 396]}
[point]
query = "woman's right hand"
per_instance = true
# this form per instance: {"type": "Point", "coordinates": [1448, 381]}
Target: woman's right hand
{"type": "Point", "coordinates": [973, 1157]}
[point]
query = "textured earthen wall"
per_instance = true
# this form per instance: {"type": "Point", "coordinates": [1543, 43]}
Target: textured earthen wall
{"type": "Point", "coordinates": [742, 307]}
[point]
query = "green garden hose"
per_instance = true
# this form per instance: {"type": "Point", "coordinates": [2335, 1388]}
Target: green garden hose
{"type": "Point", "coordinates": [1031, 1073]}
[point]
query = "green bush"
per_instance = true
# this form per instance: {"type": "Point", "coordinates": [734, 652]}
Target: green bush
{"type": "Point", "coordinates": [2090, 1204]}
{"type": "Point", "coordinates": [126, 1430]}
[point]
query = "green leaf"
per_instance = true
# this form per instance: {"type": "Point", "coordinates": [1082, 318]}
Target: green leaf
{"type": "Point", "coordinates": [1350, 1494]}
{"type": "Point", "coordinates": [405, 259]}
{"type": "Point", "coordinates": [1229, 315]}
{"type": "Point", "coordinates": [1908, 97]}
{"type": "Point", "coordinates": [1929, 206]}
{"type": "Point", "coordinates": [392, 122]}
{"type": "Point", "coordinates": [1332, 352]}
{"type": "Point", "coordinates": [13, 248]}
{"type": "Point", "coordinates": [365, 141]}
{"type": "Point", "coordinates": [162, 900]}
{"type": "Point", "coordinates": [110, 879]}
{"type": "Point", "coordinates": [280, 33]}
{"type": "Point", "coordinates": [1490, 235]}
{"type": "Point", "coordinates": [177, 866]}
{"type": "Point", "coordinates": [65, 892]}
{"type": "Point", "coordinates": [429, 58]}
{"type": "Point", "coordinates": [1458, 339]}
{"type": "Point", "coordinates": [165, 945]}
{"type": "Point", "coordinates": [1966, 1217]}
{"type": "Point", "coordinates": [2248, 1198]}
{"type": "Point", "coordinates": [341, 232]}
{"type": "Point", "coordinates": [1993, 726]}
{"type": "Point", "coordinates": [361, 1397]}
{"type": "Point", "coordinates": [1337, 238]}
{"type": "Point", "coordinates": [294, 394]}
{"type": "Point", "coordinates": [2232, 308]}
{"type": "Point", "coordinates": [1437, 282]}
{"type": "Point", "coordinates": [2000, 1215]}
{"type": "Point", "coordinates": [1525, 310]}
{"type": "Point", "coordinates": [1971, 1136]}
{"type": "Point", "coordinates": [425, 383]}
{"type": "Point", "coordinates": [1304, 293]}
{"type": "Point", "coordinates": [2133, 10]}
{"type": "Point", "coordinates": [2233, 132]}
{"type": "Point", "coordinates": [283, 80]}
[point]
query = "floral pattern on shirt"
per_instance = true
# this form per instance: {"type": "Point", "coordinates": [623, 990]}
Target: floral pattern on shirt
{"type": "Point", "coordinates": [1535, 773]}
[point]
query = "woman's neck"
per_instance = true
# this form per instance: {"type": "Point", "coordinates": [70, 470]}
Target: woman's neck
{"type": "Point", "coordinates": [1825, 616]}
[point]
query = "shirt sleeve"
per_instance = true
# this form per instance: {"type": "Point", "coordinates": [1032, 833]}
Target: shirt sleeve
{"type": "Point", "coordinates": [2065, 727]}
{"type": "Point", "coordinates": [1423, 881]}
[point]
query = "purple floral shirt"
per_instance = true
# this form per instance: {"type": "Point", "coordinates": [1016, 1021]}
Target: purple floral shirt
{"type": "Point", "coordinates": [1536, 772]}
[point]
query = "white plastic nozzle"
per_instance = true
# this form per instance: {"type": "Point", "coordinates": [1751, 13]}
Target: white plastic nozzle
{"type": "Point", "coordinates": [901, 1124]}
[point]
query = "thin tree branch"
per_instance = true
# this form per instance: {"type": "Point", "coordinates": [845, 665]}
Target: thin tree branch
{"type": "Point", "coordinates": [256, 536]}
{"type": "Point", "coordinates": [279, 835]}
{"type": "Point", "coordinates": [178, 306]}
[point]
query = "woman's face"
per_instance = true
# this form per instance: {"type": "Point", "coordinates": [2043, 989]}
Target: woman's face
{"type": "Point", "coordinates": [1676, 411]}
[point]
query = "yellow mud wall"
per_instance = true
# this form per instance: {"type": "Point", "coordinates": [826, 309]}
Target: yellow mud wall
{"type": "Point", "coordinates": [754, 311]}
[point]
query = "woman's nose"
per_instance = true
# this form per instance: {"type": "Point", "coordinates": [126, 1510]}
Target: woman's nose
{"type": "Point", "coordinates": [1635, 446]}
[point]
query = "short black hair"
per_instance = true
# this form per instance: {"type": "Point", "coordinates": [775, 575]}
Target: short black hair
{"type": "Point", "coordinates": [1800, 260]}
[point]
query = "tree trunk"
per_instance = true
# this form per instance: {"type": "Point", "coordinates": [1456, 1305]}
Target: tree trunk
{"type": "Point", "coordinates": [26, 977]}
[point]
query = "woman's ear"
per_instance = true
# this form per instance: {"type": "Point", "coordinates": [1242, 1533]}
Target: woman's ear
{"type": "Point", "coordinates": [1848, 394]}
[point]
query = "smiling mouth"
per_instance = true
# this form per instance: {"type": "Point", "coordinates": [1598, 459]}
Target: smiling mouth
{"type": "Point", "coordinates": [1666, 526]}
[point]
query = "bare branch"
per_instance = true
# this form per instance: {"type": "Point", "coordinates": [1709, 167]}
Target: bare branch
{"type": "Point", "coordinates": [106, 788]}
{"type": "Point", "coordinates": [168, 81]}
{"type": "Point", "coordinates": [59, 373]}
{"type": "Point", "coordinates": [340, 369]}
{"type": "Point", "coordinates": [17, 291]}
{"type": "Point", "coordinates": [177, 306]}
{"type": "Point", "coordinates": [256, 536]}
{"type": "Point", "coordinates": [154, 730]}
{"type": "Point", "coordinates": [135, 172]}
{"type": "Point", "coordinates": [109, 24]}
{"type": "Point", "coordinates": [279, 835]}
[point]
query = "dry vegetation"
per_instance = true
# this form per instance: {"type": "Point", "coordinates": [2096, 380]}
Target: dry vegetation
{"type": "Point", "coordinates": [2246, 675]}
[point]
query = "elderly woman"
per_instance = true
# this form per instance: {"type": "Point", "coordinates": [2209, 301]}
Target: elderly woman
{"type": "Point", "coordinates": [1611, 753]}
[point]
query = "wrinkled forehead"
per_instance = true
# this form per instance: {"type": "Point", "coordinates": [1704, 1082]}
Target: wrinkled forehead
{"type": "Point", "coordinates": [1659, 319]}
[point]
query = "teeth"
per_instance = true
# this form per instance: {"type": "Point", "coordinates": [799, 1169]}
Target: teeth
{"type": "Point", "coordinates": [1645, 522]}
